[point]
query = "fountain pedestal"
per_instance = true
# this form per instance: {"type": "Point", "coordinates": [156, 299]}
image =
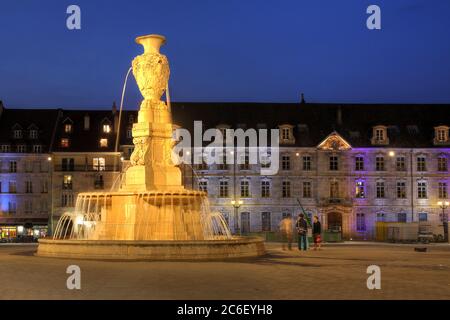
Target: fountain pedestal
{"type": "Point", "coordinates": [151, 216]}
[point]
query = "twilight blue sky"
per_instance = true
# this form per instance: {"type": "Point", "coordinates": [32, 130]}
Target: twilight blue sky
{"type": "Point", "coordinates": [228, 50]}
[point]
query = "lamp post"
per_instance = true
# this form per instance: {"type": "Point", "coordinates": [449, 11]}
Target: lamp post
{"type": "Point", "coordinates": [236, 204]}
{"type": "Point", "coordinates": [444, 205]}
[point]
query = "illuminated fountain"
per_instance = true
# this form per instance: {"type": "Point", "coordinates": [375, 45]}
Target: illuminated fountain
{"type": "Point", "coordinates": [151, 215]}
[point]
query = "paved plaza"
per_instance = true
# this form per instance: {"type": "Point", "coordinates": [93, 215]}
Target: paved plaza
{"type": "Point", "coordinates": [336, 272]}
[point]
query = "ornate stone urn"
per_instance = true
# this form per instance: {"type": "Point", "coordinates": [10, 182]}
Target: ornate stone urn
{"type": "Point", "coordinates": [152, 167]}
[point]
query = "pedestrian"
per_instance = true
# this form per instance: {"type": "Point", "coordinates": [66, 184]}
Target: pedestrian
{"type": "Point", "coordinates": [317, 230]}
{"type": "Point", "coordinates": [286, 227]}
{"type": "Point", "coordinates": [302, 230]}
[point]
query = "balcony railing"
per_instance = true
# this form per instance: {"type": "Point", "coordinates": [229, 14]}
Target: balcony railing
{"type": "Point", "coordinates": [86, 168]}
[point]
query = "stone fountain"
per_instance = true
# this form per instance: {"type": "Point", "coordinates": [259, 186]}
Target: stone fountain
{"type": "Point", "coordinates": [151, 216]}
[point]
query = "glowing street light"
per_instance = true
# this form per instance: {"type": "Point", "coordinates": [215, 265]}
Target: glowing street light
{"type": "Point", "coordinates": [444, 205]}
{"type": "Point", "coordinates": [391, 153]}
{"type": "Point", "coordinates": [236, 205]}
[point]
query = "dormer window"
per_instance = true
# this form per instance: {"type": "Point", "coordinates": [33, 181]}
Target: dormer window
{"type": "Point", "coordinates": [103, 143]}
{"type": "Point", "coordinates": [286, 134]}
{"type": "Point", "coordinates": [441, 134]}
{"type": "Point", "coordinates": [37, 148]}
{"type": "Point", "coordinates": [33, 134]}
{"type": "Point", "coordinates": [64, 142]}
{"type": "Point", "coordinates": [379, 135]}
{"type": "Point", "coordinates": [68, 128]}
{"type": "Point", "coordinates": [17, 134]}
{"type": "Point", "coordinates": [21, 148]}
{"type": "Point", "coordinates": [106, 128]}
{"type": "Point", "coordinates": [129, 134]}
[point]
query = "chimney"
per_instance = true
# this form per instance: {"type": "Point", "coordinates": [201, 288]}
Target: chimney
{"type": "Point", "coordinates": [302, 101]}
{"type": "Point", "coordinates": [114, 108]}
{"type": "Point", "coordinates": [2, 107]}
{"type": "Point", "coordinates": [339, 116]}
{"type": "Point", "coordinates": [87, 121]}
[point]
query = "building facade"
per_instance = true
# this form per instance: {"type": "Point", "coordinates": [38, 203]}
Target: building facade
{"type": "Point", "coordinates": [351, 165]}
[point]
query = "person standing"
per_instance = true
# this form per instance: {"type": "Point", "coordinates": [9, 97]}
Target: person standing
{"type": "Point", "coordinates": [302, 230]}
{"type": "Point", "coordinates": [286, 231]}
{"type": "Point", "coordinates": [317, 231]}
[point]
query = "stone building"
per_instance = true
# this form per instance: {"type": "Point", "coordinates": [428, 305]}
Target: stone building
{"type": "Point", "coordinates": [25, 171]}
{"type": "Point", "coordinates": [352, 165]}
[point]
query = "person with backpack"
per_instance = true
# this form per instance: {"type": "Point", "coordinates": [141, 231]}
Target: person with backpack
{"type": "Point", "coordinates": [302, 230]}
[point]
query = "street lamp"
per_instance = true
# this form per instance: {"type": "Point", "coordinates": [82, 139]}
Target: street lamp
{"type": "Point", "coordinates": [444, 205]}
{"type": "Point", "coordinates": [236, 205]}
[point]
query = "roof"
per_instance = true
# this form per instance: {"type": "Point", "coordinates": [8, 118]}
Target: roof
{"type": "Point", "coordinates": [409, 125]}
{"type": "Point", "coordinates": [313, 122]}
{"type": "Point", "coordinates": [42, 120]}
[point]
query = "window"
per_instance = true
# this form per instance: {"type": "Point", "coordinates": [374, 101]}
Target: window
{"type": "Point", "coordinates": [442, 190]}
{"type": "Point", "coordinates": [103, 143]}
{"type": "Point", "coordinates": [17, 134]}
{"type": "Point", "coordinates": [12, 186]}
{"type": "Point", "coordinates": [379, 134]}
{"type": "Point", "coordinates": [379, 163]}
{"type": "Point", "coordinates": [129, 134]}
{"type": "Point", "coordinates": [28, 206]}
{"type": "Point", "coordinates": [441, 136]}
{"type": "Point", "coordinates": [245, 222]}
{"type": "Point", "coordinates": [245, 189]}
{"type": "Point", "coordinates": [21, 148]}
{"type": "Point", "coordinates": [381, 217]}
{"type": "Point", "coordinates": [99, 183]}
{"type": "Point", "coordinates": [106, 128]}
{"type": "Point", "coordinates": [223, 188]}
{"type": "Point", "coordinates": [307, 189]}
{"type": "Point", "coordinates": [67, 200]}
{"type": "Point", "coordinates": [401, 217]}
{"type": "Point", "coordinates": [5, 148]}
{"type": "Point", "coordinates": [203, 185]}
{"type": "Point", "coordinates": [28, 187]}
{"type": "Point", "coordinates": [64, 142]}
{"type": "Point", "coordinates": [360, 189]}
{"type": "Point", "coordinates": [401, 190]}
{"type": "Point", "coordinates": [67, 164]}
{"type": "Point", "coordinates": [442, 164]}
{"type": "Point", "coordinates": [67, 182]}
{"type": "Point", "coordinates": [265, 221]}
{"type": "Point", "coordinates": [13, 166]}
{"type": "Point", "coordinates": [44, 206]}
{"type": "Point", "coordinates": [244, 162]}
{"type": "Point", "coordinates": [334, 164]}
{"type": "Point", "coordinates": [400, 164]}
{"type": "Point", "coordinates": [306, 163]}
{"type": "Point", "coordinates": [286, 162]}
{"type": "Point", "coordinates": [360, 222]}
{"type": "Point", "coordinates": [286, 189]}
{"type": "Point", "coordinates": [285, 133]}
{"type": "Point", "coordinates": [423, 216]}
{"type": "Point", "coordinates": [37, 148]}
{"type": "Point", "coordinates": [380, 189]}
{"type": "Point", "coordinates": [98, 164]}
{"type": "Point", "coordinates": [264, 158]}
{"type": "Point", "coordinates": [68, 128]}
{"type": "Point", "coordinates": [12, 207]}
{"type": "Point", "coordinates": [265, 189]}
{"type": "Point", "coordinates": [33, 134]}
{"type": "Point", "coordinates": [334, 189]}
{"type": "Point", "coordinates": [359, 163]}
{"type": "Point", "coordinates": [421, 190]}
{"type": "Point", "coordinates": [421, 164]}
{"type": "Point", "coordinates": [44, 186]}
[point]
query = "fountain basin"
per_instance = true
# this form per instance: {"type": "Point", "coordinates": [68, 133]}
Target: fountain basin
{"type": "Point", "coordinates": [237, 247]}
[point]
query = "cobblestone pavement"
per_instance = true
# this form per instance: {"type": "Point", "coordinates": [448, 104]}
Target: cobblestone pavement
{"type": "Point", "coordinates": [336, 272]}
